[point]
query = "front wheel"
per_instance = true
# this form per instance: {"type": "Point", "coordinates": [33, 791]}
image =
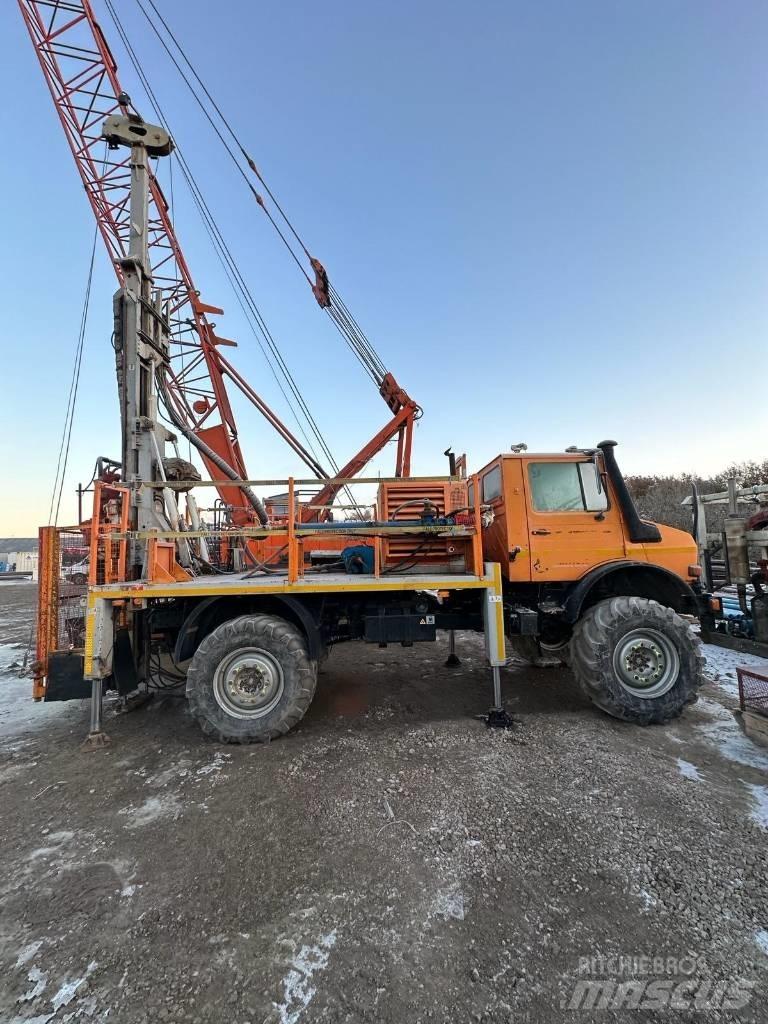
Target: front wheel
{"type": "Point", "coordinates": [636, 659]}
{"type": "Point", "coordinates": [251, 679]}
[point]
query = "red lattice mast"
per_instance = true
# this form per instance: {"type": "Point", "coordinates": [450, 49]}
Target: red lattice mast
{"type": "Point", "coordinates": [81, 74]}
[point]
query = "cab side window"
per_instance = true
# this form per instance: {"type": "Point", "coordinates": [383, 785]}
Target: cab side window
{"type": "Point", "coordinates": [566, 487]}
{"type": "Point", "coordinates": [491, 484]}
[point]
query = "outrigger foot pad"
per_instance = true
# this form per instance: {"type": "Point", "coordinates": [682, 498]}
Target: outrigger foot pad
{"type": "Point", "coordinates": [452, 661]}
{"type": "Point", "coordinates": [498, 718]}
{"type": "Point", "coordinates": [95, 741]}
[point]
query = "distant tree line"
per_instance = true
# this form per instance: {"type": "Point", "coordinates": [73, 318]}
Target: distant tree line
{"type": "Point", "coordinates": [659, 497]}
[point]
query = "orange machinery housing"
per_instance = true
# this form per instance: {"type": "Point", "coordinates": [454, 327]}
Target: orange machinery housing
{"type": "Point", "coordinates": [410, 499]}
{"type": "Point", "coordinates": [398, 501]}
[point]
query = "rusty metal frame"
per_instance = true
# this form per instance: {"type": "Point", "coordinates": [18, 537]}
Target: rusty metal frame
{"type": "Point", "coordinates": [294, 532]}
{"type": "Point", "coordinates": [47, 605]}
{"type": "Point", "coordinates": [477, 536]}
{"type": "Point", "coordinates": [102, 535]}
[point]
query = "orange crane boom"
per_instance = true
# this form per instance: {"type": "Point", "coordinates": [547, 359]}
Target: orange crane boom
{"type": "Point", "coordinates": [82, 77]}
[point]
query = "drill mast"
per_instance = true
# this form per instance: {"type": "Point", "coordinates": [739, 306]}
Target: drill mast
{"type": "Point", "coordinates": [82, 77]}
{"type": "Point", "coordinates": [141, 337]}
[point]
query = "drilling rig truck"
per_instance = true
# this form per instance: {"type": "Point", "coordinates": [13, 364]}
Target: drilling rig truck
{"type": "Point", "coordinates": [544, 552]}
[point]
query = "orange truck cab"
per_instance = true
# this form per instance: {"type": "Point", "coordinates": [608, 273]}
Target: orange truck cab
{"type": "Point", "coordinates": [583, 571]}
{"type": "Point", "coordinates": [558, 517]}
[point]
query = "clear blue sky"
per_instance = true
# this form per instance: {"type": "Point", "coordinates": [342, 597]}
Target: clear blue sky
{"type": "Point", "coordinates": [550, 217]}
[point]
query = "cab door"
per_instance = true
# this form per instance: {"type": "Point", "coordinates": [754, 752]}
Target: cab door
{"type": "Point", "coordinates": [505, 539]}
{"type": "Point", "coordinates": [573, 524]}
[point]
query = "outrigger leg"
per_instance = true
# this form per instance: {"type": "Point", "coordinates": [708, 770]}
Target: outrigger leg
{"type": "Point", "coordinates": [96, 738]}
{"type": "Point", "coordinates": [495, 647]}
{"type": "Point", "coordinates": [452, 660]}
{"type": "Point", "coordinates": [497, 717]}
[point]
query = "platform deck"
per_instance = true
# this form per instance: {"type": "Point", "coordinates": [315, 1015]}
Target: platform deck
{"type": "Point", "coordinates": [311, 583]}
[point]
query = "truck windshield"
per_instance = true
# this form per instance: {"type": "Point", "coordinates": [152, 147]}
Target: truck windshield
{"type": "Point", "coordinates": [566, 487]}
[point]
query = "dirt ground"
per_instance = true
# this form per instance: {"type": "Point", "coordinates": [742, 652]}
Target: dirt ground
{"type": "Point", "coordinates": [391, 860]}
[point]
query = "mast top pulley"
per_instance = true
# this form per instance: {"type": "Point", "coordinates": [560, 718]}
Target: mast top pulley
{"type": "Point", "coordinates": [131, 130]}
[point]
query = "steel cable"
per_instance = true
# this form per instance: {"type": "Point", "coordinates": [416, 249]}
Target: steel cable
{"type": "Point", "coordinates": [69, 417]}
{"type": "Point", "coordinates": [346, 323]}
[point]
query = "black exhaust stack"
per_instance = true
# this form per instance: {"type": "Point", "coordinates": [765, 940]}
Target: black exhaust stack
{"type": "Point", "coordinates": [640, 531]}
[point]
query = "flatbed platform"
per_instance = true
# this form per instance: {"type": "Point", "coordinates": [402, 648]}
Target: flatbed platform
{"type": "Point", "coordinates": [98, 620]}
{"type": "Point", "coordinates": [310, 583]}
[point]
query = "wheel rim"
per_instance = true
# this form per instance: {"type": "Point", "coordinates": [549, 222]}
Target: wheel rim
{"type": "Point", "coordinates": [646, 663]}
{"type": "Point", "coordinates": [248, 683]}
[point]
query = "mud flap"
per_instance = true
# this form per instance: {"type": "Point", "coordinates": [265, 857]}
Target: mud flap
{"type": "Point", "coordinates": [125, 677]}
{"type": "Point", "coordinates": [64, 679]}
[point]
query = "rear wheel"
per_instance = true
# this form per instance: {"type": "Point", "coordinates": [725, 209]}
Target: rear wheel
{"type": "Point", "coordinates": [636, 659]}
{"type": "Point", "coordinates": [251, 679]}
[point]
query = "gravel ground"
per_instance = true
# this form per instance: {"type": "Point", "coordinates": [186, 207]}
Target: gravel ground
{"type": "Point", "coordinates": [391, 860]}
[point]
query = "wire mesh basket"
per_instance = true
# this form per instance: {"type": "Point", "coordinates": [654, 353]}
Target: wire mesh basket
{"type": "Point", "coordinates": [72, 588]}
{"type": "Point", "coordinates": [753, 691]}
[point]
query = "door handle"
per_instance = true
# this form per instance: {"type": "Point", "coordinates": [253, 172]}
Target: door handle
{"type": "Point", "coordinates": [541, 533]}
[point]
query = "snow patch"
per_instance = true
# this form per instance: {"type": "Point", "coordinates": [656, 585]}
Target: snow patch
{"type": "Point", "coordinates": [58, 839]}
{"type": "Point", "coordinates": [761, 940]}
{"type": "Point", "coordinates": [68, 990]}
{"type": "Point", "coordinates": [298, 990]}
{"type": "Point", "coordinates": [61, 837]}
{"type": "Point", "coordinates": [689, 771]}
{"type": "Point", "coordinates": [42, 1018]}
{"type": "Point", "coordinates": [20, 718]}
{"type": "Point", "coordinates": [759, 812]}
{"type": "Point", "coordinates": [724, 732]}
{"type": "Point", "coordinates": [153, 808]}
{"type": "Point", "coordinates": [39, 981]}
{"type": "Point", "coordinates": [722, 664]}
{"type": "Point", "coordinates": [42, 851]}
{"type": "Point", "coordinates": [448, 905]}
{"type": "Point", "coordinates": [11, 771]}
{"type": "Point", "coordinates": [649, 901]}
{"type": "Point", "coordinates": [26, 954]}
{"type": "Point", "coordinates": [219, 761]}
{"type": "Point", "coordinates": [170, 774]}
